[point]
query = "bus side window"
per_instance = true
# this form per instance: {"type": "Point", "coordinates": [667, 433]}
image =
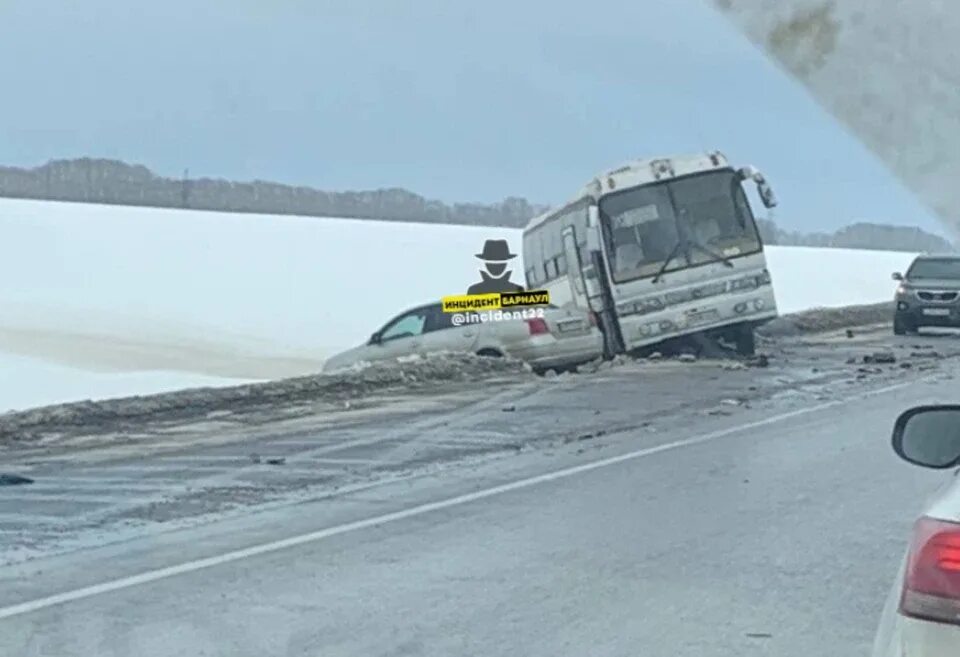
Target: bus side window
{"type": "Point", "coordinates": [533, 256]}
{"type": "Point", "coordinates": [580, 226]}
{"type": "Point", "coordinates": [552, 247]}
{"type": "Point", "coordinates": [551, 269]}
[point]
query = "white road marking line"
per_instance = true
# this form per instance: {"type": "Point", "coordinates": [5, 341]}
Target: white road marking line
{"type": "Point", "coordinates": [293, 541]}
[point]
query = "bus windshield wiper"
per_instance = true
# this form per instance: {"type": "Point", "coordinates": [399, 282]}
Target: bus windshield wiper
{"type": "Point", "coordinates": [713, 254]}
{"type": "Point", "coordinates": [666, 263]}
{"type": "Point", "coordinates": [686, 244]}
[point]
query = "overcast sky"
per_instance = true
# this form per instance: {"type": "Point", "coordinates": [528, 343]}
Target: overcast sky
{"type": "Point", "coordinates": [456, 100]}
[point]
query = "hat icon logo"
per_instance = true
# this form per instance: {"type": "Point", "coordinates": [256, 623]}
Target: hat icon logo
{"type": "Point", "coordinates": [496, 251]}
{"type": "Point", "coordinates": [495, 275]}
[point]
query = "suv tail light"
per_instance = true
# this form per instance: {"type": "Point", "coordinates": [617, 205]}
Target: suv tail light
{"type": "Point", "coordinates": [538, 326]}
{"type": "Point", "coordinates": [593, 318]}
{"type": "Point", "coordinates": [931, 584]}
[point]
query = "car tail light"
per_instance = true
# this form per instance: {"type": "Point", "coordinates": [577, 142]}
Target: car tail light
{"type": "Point", "coordinates": [538, 326]}
{"type": "Point", "coordinates": [593, 318]}
{"type": "Point", "coordinates": [931, 585]}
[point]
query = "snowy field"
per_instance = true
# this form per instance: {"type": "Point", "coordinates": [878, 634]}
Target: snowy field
{"type": "Point", "coordinates": [100, 301]}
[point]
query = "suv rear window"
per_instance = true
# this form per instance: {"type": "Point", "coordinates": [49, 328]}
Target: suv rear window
{"type": "Point", "coordinates": [935, 268]}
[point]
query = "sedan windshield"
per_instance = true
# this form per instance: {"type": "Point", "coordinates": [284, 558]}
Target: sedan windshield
{"type": "Point", "coordinates": [678, 224]}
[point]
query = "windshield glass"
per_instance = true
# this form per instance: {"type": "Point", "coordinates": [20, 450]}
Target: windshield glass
{"type": "Point", "coordinates": [645, 225]}
{"type": "Point", "coordinates": [948, 268]}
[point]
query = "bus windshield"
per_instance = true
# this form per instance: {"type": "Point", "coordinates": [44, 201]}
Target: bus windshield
{"type": "Point", "coordinates": [677, 224]}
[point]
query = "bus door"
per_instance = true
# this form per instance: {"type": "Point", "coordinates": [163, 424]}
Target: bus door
{"type": "Point", "coordinates": [585, 275]}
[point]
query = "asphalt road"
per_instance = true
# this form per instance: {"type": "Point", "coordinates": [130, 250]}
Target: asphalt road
{"type": "Point", "coordinates": [774, 530]}
{"type": "Point", "coordinates": [96, 486]}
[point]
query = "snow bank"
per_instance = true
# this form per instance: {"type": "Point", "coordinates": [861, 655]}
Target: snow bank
{"type": "Point", "coordinates": [134, 296]}
{"type": "Point", "coordinates": [27, 382]}
{"type": "Point", "coordinates": [805, 277]}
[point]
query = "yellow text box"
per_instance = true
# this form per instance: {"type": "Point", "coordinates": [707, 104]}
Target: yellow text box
{"type": "Point", "coordinates": [464, 302]}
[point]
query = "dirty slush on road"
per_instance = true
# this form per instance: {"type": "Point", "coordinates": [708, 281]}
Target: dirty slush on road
{"type": "Point", "coordinates": [75, 471]}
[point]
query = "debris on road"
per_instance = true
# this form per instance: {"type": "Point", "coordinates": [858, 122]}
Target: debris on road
{"type": "Point", "coordinates": [926, 354]}
{"type": "Point", "coordinates": [508, 409]}
{"type": "Point", "coordinates": [300, 398]}
{"type": "Point", "coordinates": [849, 333]}
{"type": "Point", "coordinates": [337, 388]}
{"type": "Point", "coordinates": [880, 357]}
{"type": "Point", "coordinates": [585, 436]}
{"type": "Point", "coordinates": [821, 320]}
{"type": "Point", "coordinates": [590, 367]}
{"type": "Point", "coordinates": [277, 460]}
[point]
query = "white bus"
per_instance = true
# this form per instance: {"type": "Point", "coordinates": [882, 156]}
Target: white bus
{"type": "Point", "coordinates": [659, 249]}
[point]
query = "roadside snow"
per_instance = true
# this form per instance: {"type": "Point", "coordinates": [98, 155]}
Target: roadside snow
{"type": "Point", "coordinates": [113, 299]}
{"type": "Point", "coordinates": [26, 382]}
{"type": "Point", "coordinates": [28, 427]}
{"type": "Point", "coordinates": [806, 278]}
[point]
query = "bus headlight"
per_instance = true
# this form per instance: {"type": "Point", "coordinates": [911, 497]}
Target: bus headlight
{"type": "Point", "coordinates": [740, 308]}
{"type": "Point", "coordinates": [744, 284]}
{"type": "Point", "coordinates": [763, 278]}
{"type": "Point", "coordinates": [650, 305]}
{"type": "Point", "coordinates": [758, 304]}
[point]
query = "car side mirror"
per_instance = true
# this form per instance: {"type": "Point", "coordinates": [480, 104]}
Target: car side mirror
{"type": "Point", "coordinates": [897, 276]}
{"type": "Point", "coordinates": [376, 338]}
{"type": "Point", "coordinates": [929, 436]}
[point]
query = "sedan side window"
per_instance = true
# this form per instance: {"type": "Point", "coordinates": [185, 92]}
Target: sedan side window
{"type": "Point", "coordinates": [438, 320]}
{"type": "Point", "coordinates": [406, 326]}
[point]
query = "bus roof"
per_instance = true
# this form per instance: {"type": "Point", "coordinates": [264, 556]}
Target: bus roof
{"type": "Point", "coordinates": [640, 172]}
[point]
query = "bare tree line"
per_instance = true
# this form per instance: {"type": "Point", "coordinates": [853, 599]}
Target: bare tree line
{"type": "Point", "coordinates": [90, 180]}
{"type": "Point", "coordinates": [862, 235]}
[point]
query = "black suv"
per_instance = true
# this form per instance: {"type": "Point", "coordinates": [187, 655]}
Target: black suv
{"type": "Point", "coordinates": [928, 294]}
